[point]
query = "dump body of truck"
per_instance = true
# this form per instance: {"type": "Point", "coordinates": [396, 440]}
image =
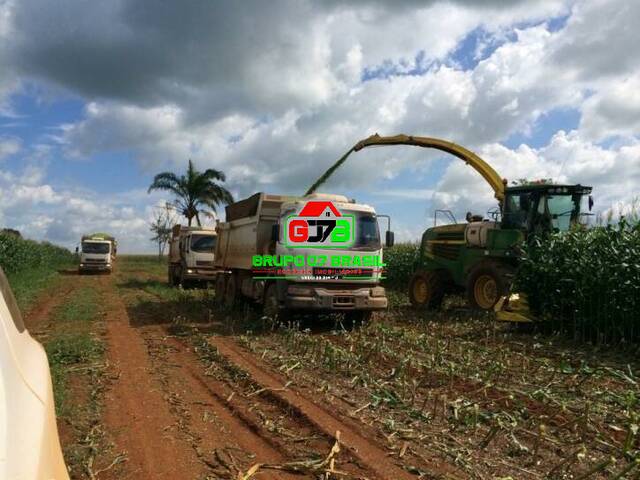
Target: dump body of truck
{"type": "Point", "coordinates": [191, 255]}
{"type": "Point", "coordinates": [254, 227]}
{"type": "Point", "coordinates": [97, 253]}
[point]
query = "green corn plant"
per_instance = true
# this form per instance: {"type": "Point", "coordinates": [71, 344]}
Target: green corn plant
{"type": "Point", "coordinates": [18, 254]}
{"type": "Point", "coordinates": [586, 281]}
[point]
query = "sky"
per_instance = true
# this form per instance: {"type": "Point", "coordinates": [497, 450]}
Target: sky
{"type": "Point", "coordinates": [98, 97]}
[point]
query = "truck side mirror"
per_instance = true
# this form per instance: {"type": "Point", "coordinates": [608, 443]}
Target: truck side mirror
{"type": "Point", "coordinates": [389, 240]}
{"type": "Point", "coordinates": [77, 250]}
{"type": "Point", "coordinates": [590, 202]}
{"type": "Point", "coordinates": [275, 232]}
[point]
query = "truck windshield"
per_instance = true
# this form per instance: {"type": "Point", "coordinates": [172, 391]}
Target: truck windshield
{"type": "Point", "coordinates": [367, 232]}
{"type": "Point", "coordinates": [203, 243]}
{"type": "Point", "coordinates": [95, 247]}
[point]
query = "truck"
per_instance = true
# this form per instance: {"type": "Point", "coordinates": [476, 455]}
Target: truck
{"type": "Point", "coordinates": [255, 230]}
{"type": "Point", "coordinates": [191, 255]}
{"type": "Point", "coordinates": [97, 253]}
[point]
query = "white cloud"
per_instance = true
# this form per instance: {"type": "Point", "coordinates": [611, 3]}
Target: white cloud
{"type": "Point", "coordinates": [42, 211]}
{"type": "Point", "coordinates": [9, 146]}
{"type": "Point", "coordinates": [614, 110]}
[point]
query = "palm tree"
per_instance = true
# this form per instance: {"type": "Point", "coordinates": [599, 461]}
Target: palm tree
{"type": "Point", "coordinates": [194, 191]}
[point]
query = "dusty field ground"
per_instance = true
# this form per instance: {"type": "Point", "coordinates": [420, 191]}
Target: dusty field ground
{"type": "Point", "coordinates": [158, 383]}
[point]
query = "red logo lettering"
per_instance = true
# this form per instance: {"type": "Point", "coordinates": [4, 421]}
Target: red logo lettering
{"type": "Point", "coordinates": [298, 231]}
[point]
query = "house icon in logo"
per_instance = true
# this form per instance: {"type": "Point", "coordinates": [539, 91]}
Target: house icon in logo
{"type": "Point", "coordinates": [320, 209]}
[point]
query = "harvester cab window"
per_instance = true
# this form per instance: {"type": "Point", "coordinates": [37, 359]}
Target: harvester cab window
{"type": "Point", "coordinates": [367, 232]}
{"type": "Point", "coordinates": [562, 209]}
{"type": "Point", "coordinates": [517, 209]}
{"type": "Point", "coordinates": [95, 247]}
{"type": "Point", "coordinates": [203, 243]}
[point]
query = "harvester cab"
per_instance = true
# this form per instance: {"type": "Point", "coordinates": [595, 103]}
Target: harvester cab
{"type": "Point", "coordinates": [482, 255]}
{"type": "Point", "coordinates": [541, 207]}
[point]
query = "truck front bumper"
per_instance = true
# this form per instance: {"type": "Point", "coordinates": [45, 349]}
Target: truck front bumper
{"type": "Point", "coordinates": [332, 299]}
{"type": "Point", "coordinates": [95, 267]}
{"type": "Point", "coordinates": [200, 274]}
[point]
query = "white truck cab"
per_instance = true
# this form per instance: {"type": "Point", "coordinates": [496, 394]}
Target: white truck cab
{"type": "Point", "coordinates": [339, 285]}
{"type": "Point", "coordinates": [97, 253]}
{"type": "Point", "coordinates": [191, 255]}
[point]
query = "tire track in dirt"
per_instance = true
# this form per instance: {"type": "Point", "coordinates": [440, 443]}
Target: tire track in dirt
{"type": "Point", "coordinates": [260, 426]}
{"type": "Point", "coordinates": [220, 434]}
{"type": "Point", "coordinates": [374, 457]}
{"type": "Point", "coordinates": [136, 415]}
{"type": "Point", "coordinates": [38, 318]}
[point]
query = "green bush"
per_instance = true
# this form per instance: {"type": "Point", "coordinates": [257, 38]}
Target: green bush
{"type": "Point", "coordinates": [400, 263]}
{"type": "Point", "coordinates": [18, 254]}
{"type": "Point", "coordinates": [586, 281]}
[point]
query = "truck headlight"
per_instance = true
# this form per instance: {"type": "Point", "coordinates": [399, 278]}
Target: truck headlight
{"type": "Point", "coordinates": [301, 291]}
{"type": "Point", "coordinates": [377, 292]}
{"type": "Point", "coordinates": [189, 270]}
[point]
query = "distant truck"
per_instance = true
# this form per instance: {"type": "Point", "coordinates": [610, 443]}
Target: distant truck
{"type": "Point", "coordinates": [254, 229]}
{"type": "Point", "coordinates": [191, 255]}
{"type": "Point", "coordinates": [97, 253]}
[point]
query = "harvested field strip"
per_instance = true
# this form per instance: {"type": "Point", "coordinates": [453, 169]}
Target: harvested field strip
{"type": "Point", "coordinates": [469, 396]}
{"type": "Point", "coordinates": [224, 438]}
{"type": "Point", "coordinates": [413, 396]}
{"type": "Point", "coordinates": [369, 453]}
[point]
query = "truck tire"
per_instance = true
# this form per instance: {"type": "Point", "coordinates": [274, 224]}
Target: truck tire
{"type": "Point", "coordinates": [180, 276]}
{"type": "Point", "coordinates": [486, 283]}
{"type": "Point", "coordinates": [357, 318]}
{"type": "Point", "coordinates": [427, 289]}
{"type": "Point", "coordinates": [231, 291]}
{"type": "Point", "coordinates": [270, 302]}
{"type": "Point", "coordinates": [221, 286]}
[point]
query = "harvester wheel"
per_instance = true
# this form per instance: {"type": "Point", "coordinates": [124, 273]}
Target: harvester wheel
{"type": "Point", "coordinates": [426, 289]}
{"type": "Point", "coordinates": [487, 282]}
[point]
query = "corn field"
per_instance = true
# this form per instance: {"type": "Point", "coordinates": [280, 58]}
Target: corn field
{"type": "Point", "coordinates": [18, 255]}
{"type": "Point", "coordinates": [400, 264]}
{"type": "Point", "coordinates": [586, 282]}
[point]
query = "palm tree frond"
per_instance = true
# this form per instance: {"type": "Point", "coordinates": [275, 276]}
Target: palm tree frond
{"type": "Point", "coordinates": [193, 190]}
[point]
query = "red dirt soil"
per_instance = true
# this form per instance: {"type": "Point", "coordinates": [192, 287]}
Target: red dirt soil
{"type": "Point", "coordinates": [136, 416]}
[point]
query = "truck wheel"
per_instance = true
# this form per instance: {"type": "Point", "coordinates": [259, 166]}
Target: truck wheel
{"type": "Point", "coordinates": [357, 318]}
{"type": "Point", "coordinates": [270, 303]}
{"type": "Point", "coordinates": [231, 292]}
{"type": "Point", "coordinates": [426, 289]}
{"type": "Point", "coordinates": [221, 286]}
{"type": "Point", "coordinates": [486, 283]}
